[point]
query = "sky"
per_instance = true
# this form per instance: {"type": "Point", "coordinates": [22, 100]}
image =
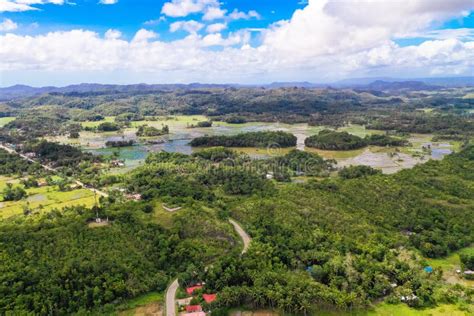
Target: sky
{"type": "Point", "coordinates": [61, 42]}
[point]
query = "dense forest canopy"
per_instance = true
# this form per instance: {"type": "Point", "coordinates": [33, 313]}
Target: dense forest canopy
{"type": "Point", "coordinates": [342, 238]}
{"type": "Point", "coordinates": [250, 139]}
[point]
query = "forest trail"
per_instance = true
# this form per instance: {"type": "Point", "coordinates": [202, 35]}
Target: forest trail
{"type": "Point", "coordinates": [245, 237]}
{"type": "Point", "coordinates": [46, 167]}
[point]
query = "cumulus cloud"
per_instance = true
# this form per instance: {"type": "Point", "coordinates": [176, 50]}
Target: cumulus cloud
{"type": "Point", "coordinates": [216, 27]}
{"type": "Point", "coordinates": [8, 25]}
{"type": "Point", "coordinates": [155, 21]}
{"type": "Point", "coordinates": [239, 15]}
{"type": "Point", "coordinates": [213, 13]}
{"type": "Point", "coordinates": [112, 34]}
{"type": "Point", "coordinates": [182, 8]}
{"type": "Point", "coordinates": [319, 42]}
{"type": "Point", "coordinates": [24, 5]}
{"type": "Point", "coordinates": [188, 26]}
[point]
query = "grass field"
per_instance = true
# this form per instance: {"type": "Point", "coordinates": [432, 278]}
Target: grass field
{"type": "Point", "coordinates": [5, 120]}
{"type": "Point", "coordinates": [43, 199]}
{"type": "Point", "coordinates": [450, 264]}
{"type": "Point", "coordinates": [147, 304]}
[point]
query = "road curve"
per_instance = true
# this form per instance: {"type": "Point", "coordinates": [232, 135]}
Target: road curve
{"type": "Point", "coordinates": [245, 237]}
{"type": "Point", "coordinates": [170, 298]}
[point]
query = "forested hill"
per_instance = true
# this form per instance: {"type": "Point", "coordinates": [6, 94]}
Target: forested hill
{"type": "Point", "coordinates": [334, 242]}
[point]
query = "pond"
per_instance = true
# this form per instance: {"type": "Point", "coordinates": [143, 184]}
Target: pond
{"type": "Point", "coordinates": [389, 160]}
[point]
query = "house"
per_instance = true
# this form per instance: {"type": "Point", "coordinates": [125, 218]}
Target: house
{"type": "Point", "coordinates": [117, 163]}
{"type": "Point", "coordinates": [42, 183]}
{"type": "Point", "coordinates": [193, 308]}
{"type": "Point", "coordinates": [190, 290]}
{"type": "Point", "coordinates": [407, 298]}
{"type": "Point", "coordinates": [194, 314]}
{"type": "Point", "coordinates": [269, 176]}
{"type": "Point", "coordinates": [135, 197]}
{"type": "Point", "coordinates": [209, 298]}
{"type": "Point", "coordinates": [469, 272]}
{"type": "Point", "coordinates": [30, 155]}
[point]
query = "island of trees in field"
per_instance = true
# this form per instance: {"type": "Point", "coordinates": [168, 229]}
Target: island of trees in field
{"type": "Point", "coordinates": [251, 139]}
{"type": "Point", "coordinates": [333, 140]}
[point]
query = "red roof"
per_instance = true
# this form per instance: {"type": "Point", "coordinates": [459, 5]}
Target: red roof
{"type": "Point", "coordinates": [195, 314]}
{"type": "Point", "coordinates": [191, 289]}
{"type": "Point", "coordinates": [193, 308]}
{"type": "Point", "coordinates": [209, 298]}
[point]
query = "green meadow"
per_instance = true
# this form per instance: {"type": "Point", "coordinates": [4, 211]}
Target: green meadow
{"type": "Point", "coordinates": [43, 199]}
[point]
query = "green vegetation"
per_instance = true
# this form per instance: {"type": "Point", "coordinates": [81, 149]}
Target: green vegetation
{"type": "Point", "coordinates": [251, 139]}
{"type": "Point", "coordinates": [11, 193]}
{"type": "Point", "coordinates": [332, 140]}
{"type": "Point", "coordinates": [150, 131]}
{"type": "Point", "coordinates": [216, 154]}
{"type": "Point", "coordinates": [108, 127]}
{"type": "Point", "coordinates": [202, 124]}
{"type": "Point", "coordinates": [119, 143]}
{"type": "Point", "coordinates": [336, 243]}
{"type": "Point", "coordinates": [353, 172]}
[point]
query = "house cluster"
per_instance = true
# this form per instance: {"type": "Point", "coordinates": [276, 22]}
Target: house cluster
{"type": "Point", "coordinates": [190, 309]}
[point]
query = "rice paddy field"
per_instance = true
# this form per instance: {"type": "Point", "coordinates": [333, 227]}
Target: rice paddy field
{"type": "Point", "coordinates": [42, 199]}
{"type": "Point", "coordinates": [389, 160]}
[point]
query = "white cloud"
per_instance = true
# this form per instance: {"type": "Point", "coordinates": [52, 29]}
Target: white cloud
{"type": "Point", "coordinates": [214, 13]}
{"type": "Point", "coordinates": [461, 33]}
{"type": "Point", "coordinates": [143, 36]}
{"type": "Point", "coordinates": [108, 1]}
{"type": "Point", "coordinates": [8, 25]}
{"type": "Point", "coordinates": [317, 43]}
{"type": "Point", "coordinates": [112, 34]}
{"type": "Point", "coordinates": [239, 15]}
{"type": "Point", "coordinates": [216, 27]}
{"type": "Point", "coordinates": [24, 5]}
{"type": "Point", "coordinates": [188, 26]}
{"type": "Point", "coordinates": [182, 8]}
{"type": "Point", "coordinates": [155, 21]}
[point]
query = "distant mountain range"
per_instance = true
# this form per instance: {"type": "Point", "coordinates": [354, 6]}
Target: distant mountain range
{"type": "Point", "coordinates": [374, 84]}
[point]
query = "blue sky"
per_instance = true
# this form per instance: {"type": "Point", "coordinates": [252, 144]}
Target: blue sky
{"type": "Point", "coordinates": [129, 16]}
{"type": "Point", "coordinates": [61, 42]}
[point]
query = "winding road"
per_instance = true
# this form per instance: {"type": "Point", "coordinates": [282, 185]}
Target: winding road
{"type": "Point", "coordinates": [243, 235]}
{"type": "Point", "coordinates": [170, 298]}
{"type": "Point", "coordinates": [171, 291]}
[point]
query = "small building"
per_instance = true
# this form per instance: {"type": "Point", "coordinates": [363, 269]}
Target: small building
{"type": "Point", "coordinates": [428, 269]}
{"type": "Point", "coordinates": [42, 183]}
{"type": "Point", "coordinates": [469, 272]}
{"type": "Point", "coordinates": [194, 314]}
{"type": "Point", "coordinates": [30, 155]}
{"type": "Point", "coordinates": [407, 298]}
{"type": "Point", "coordinates": [209, 298]}
{"type": "Point", "coordinates": [190, 290]}
{"type": "Point", "coordinates": [135, 197]}
{"type": "Point", "coordinates": [269, 176]}
{"type": "Point", "coordinates": [117, 163]}
{"type": "Point", "coordinates": [193, 308]}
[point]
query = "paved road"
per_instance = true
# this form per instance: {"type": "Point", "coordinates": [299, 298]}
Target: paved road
{"type": "Point", "coordinates": [46, 167]}
{"type": "Point", "coordinates": [170, 298]}
{"type": "Point", "coordinates": [245, 237]}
